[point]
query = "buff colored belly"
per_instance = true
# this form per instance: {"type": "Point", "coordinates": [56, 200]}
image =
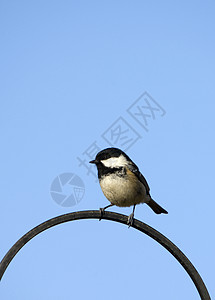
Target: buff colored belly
{"type": "Point", "coordinates": [123, 191]}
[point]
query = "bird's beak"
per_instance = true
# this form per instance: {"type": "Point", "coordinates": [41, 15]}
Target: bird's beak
{"type": "Point", "coordinates": [93, 161]}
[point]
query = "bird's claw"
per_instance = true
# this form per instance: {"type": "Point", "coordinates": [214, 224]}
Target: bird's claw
{"type": "Point", "coordinates": [130, 220]}
{"type": "Point", "coordinates": [102, 210]}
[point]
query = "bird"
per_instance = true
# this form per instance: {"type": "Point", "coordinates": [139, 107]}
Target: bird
{"type": "Point", "coordinates": [122, 183]}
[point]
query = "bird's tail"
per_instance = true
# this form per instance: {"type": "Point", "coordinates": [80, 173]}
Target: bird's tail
{"type": "Point", "coordinates": [156, 207]}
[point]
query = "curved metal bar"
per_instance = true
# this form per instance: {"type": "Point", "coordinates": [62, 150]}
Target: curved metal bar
{"type": "Point", "coordinates": [95, 214]}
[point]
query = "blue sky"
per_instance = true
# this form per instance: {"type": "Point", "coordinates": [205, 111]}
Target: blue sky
{"type": "Point", "coordinates": [69, 72]}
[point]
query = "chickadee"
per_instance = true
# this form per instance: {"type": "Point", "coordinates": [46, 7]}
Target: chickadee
{"type": "Point", "coordinates": [122, 183]}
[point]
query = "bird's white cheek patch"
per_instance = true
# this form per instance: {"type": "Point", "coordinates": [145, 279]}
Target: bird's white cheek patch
{"type": "Point", "coordinates": [115, 162]}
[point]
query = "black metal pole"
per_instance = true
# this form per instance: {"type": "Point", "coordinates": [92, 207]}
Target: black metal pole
{"type": "Point", "coordinates": [95, 214]}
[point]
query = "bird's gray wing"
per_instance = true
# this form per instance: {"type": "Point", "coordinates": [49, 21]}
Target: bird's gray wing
{"type": "Point", "coordinates": [134, 169]}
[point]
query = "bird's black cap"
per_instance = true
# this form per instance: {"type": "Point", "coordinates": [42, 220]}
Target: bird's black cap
{"type": "Point", "coordinates": [108, 153]}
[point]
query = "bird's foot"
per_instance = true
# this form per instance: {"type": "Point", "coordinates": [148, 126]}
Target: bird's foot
{"type": "Point", "coordinates": [102, 211]}
{"type": "Point", "coordinates": [130, 220]}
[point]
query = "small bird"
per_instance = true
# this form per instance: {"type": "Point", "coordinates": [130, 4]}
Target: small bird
{"type": "Point", "coordinates": [122, 183]}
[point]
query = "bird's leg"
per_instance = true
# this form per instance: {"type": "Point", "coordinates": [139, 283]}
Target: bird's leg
{"type": "Point", "coordinates": [102, 210]}
{"type": "Point", "coordinates": [131, 217]}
